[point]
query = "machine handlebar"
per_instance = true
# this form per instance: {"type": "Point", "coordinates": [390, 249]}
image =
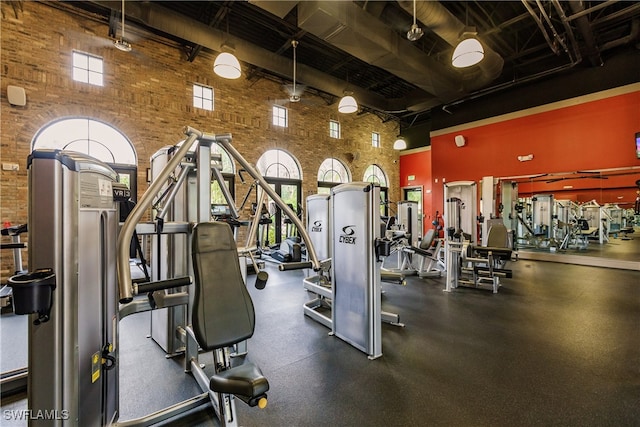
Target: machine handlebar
{"type": "Point", "coordinates": [164, 284]}
{"type": "Point", "coordinates": [14, 230]}
{"type": "Point", "coordinates": [295, 265]}
{"type": "Point", "coordinates": [159, 285]}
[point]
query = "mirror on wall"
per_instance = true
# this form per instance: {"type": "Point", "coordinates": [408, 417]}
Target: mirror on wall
{"type": "Point", "coordinates": [576, 211]}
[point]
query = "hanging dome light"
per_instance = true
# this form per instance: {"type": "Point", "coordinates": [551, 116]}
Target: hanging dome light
{"type": "Point", "coordinates": [400, 144]}
{"type": "Point", "coordinates": [468, 52]}
{"type": "Point", "coordinates": [226, 65]}
{"type": "Point", "coordinates": [348, 105]}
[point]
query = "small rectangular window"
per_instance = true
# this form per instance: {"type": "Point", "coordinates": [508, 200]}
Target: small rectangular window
{"type": "Point", "coordinates": [334, 129]}
{"type": "Point", "coordinates": [375, 139]}
{"type": "Point", "coordinates": [279, 116]}
{"type": "Point", "coordinates": [202, 97]}
{"type": "Point", "coordinates": [87, 68]}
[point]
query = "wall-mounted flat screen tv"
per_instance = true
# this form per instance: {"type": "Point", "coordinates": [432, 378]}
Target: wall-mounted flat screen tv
{"type": "Point", "coordinates": [638, 145]}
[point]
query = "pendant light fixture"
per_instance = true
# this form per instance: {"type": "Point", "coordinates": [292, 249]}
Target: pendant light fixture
{"type": "Point", "coordinates": [469, 51]}
{"type": "Point", "coordinates": [400, 143]}
{"type": "Point", "coordinates": [226, 64]}
{"type": "Point", "coordinates": [347, 105]}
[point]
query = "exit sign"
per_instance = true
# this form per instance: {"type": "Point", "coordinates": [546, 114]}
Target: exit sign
{"type": "Point", "coordinates": [411, 177]}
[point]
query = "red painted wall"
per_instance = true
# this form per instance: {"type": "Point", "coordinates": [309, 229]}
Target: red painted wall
{"type": "Point", "coordinates": [592, 135]}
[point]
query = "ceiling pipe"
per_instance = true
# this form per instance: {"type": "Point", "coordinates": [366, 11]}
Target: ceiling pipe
{"type": "Point", "coordinates": [352, 29]}
{"type": "Point", "coordinates": [633, 36]}
{"type": "Point", "coordinates": [582, 22]}
{"type": "Point", "coordinates": [438, 19]}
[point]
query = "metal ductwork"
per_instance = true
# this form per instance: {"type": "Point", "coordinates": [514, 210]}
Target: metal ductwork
{"type": "Point", "coordinates": [438, 19]}
{"type": "Point", "coordinates": [199, 33]}
{"type": "Point", "coordinates": [350, 28]}
{"type": "Point", "coordinates": [353, 30]}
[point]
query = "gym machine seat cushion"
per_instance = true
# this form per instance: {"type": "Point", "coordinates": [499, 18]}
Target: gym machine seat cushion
{"type": "Point", "coordinates": [223, 312]}
{"type": "Point", "coordinates": [498, 236]}
{"type": "Point", "coordinates": [424, 248]}
{"type": "Point", "coordinates": [244, 380]}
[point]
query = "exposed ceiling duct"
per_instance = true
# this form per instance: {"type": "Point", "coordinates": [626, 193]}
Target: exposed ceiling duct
{"type": "Point", "coordinates": [361, 46]}
{"type": "Point", "coordinates": [355, 31]}
{"type": "Point", "coordinates": [438, 19]}
{"type": "Point", "coordinates": [188, 29]}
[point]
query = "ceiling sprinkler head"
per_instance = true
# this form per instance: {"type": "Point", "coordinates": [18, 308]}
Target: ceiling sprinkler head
{"type": "Point", "coordinates": [123, 45]}
{"type": "Point", "coordinates": [414, 33]}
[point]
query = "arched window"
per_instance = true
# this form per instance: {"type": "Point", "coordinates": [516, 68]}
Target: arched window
{"type": "Point", "coordinates": [278, 164]}
{"type": "Point", "coordinates": [331, 173]}
{"type": "Point", "coordinates": [96, 139]}
{"type": "Point", "coordinates": [282, 171]}
{"type": "Point", "coordinates": [375, 174]}
{"type": "Point", "coordinates": [227, 164]}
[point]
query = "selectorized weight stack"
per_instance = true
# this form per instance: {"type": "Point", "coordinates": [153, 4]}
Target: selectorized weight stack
{"type": "Point", "coordinates": [410, 221]}
{"type": "Point", "coordinates": [73, 221]}
{"type": "Point", "coordinates": [356, 246]}
{"type": "Point", "coordinates": [318, 228]}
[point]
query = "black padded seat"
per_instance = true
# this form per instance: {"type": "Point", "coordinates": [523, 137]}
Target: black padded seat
{"type": "Point", "coordinates": [424, 248]}
{"type": "Point", "coordinates": [223, 312]}
{"type": "Point", "coordinates": [498, 236]}
{"type": "Point", "coordinates": [498, 253]}
{"type": "Point", "coordinates": [245, 380]}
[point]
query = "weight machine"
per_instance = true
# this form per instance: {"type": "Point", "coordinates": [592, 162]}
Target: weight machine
{"type": "Point", "coordinates": [79, 287]}
{"type": "Point", "coordinates": [356, 249]}
{"type": "Point", "coordinates": [595, 221]}
{"type": "Point", "coordinates": [319, 284]}
{"type": "Point", "coordinates": [346, 226]}
{"type": "Point", "coordinates": [466, 262]}
{"type": "Point", "coordinates": [404, 236]}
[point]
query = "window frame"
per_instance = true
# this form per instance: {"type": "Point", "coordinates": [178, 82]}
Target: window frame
{"type": "Point", "coordinates": [280, 120]}
{"type": "Point", "coordinates": [202, 98]}
{"type": "Point", "coordinates": [375, 139]}
{"type": "Point", "coordinates": [334, 131]}
{"type": "Point", "coordinates": [86, 69]}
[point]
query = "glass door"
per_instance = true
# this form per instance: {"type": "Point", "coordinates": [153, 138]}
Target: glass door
{"type": "Point", "coordinates": [282, 226]}
{"type": "Point", "coordinates": [414, 194]}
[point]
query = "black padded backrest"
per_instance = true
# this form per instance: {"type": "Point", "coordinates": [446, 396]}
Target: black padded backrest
{"type": "Point", "coordinates": [223, 312]}
{"type": "Point", "coordinates": [427, 239]}
{"type": "Point", "coordinates": [497, 236]}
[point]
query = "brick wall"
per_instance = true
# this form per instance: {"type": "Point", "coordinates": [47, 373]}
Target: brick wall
{"type": "Point", "coordinates": [147, 95]}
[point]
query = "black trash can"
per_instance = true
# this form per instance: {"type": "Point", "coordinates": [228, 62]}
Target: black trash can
{"type": "Point", "coordinates": [33, 292]}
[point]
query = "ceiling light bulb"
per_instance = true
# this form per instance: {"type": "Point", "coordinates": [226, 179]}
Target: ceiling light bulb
{"type": "Point", "coordinates": [348, 105]}
{"type": "Point", "coordinates": [468, 52]}
{"type": "Point", "coordinates": [226, 65]}
{"type": "Point", "coordinates": [400, 144]}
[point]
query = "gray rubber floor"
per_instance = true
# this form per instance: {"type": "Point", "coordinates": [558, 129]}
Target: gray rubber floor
{"type": "Point", "coordinates": [558, 345]}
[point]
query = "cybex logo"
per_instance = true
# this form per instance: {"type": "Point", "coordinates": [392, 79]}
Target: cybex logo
{"type": "Point", "coordinates": [348, 235]}
{"type": "Point", "coordinates": [317, 226]}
